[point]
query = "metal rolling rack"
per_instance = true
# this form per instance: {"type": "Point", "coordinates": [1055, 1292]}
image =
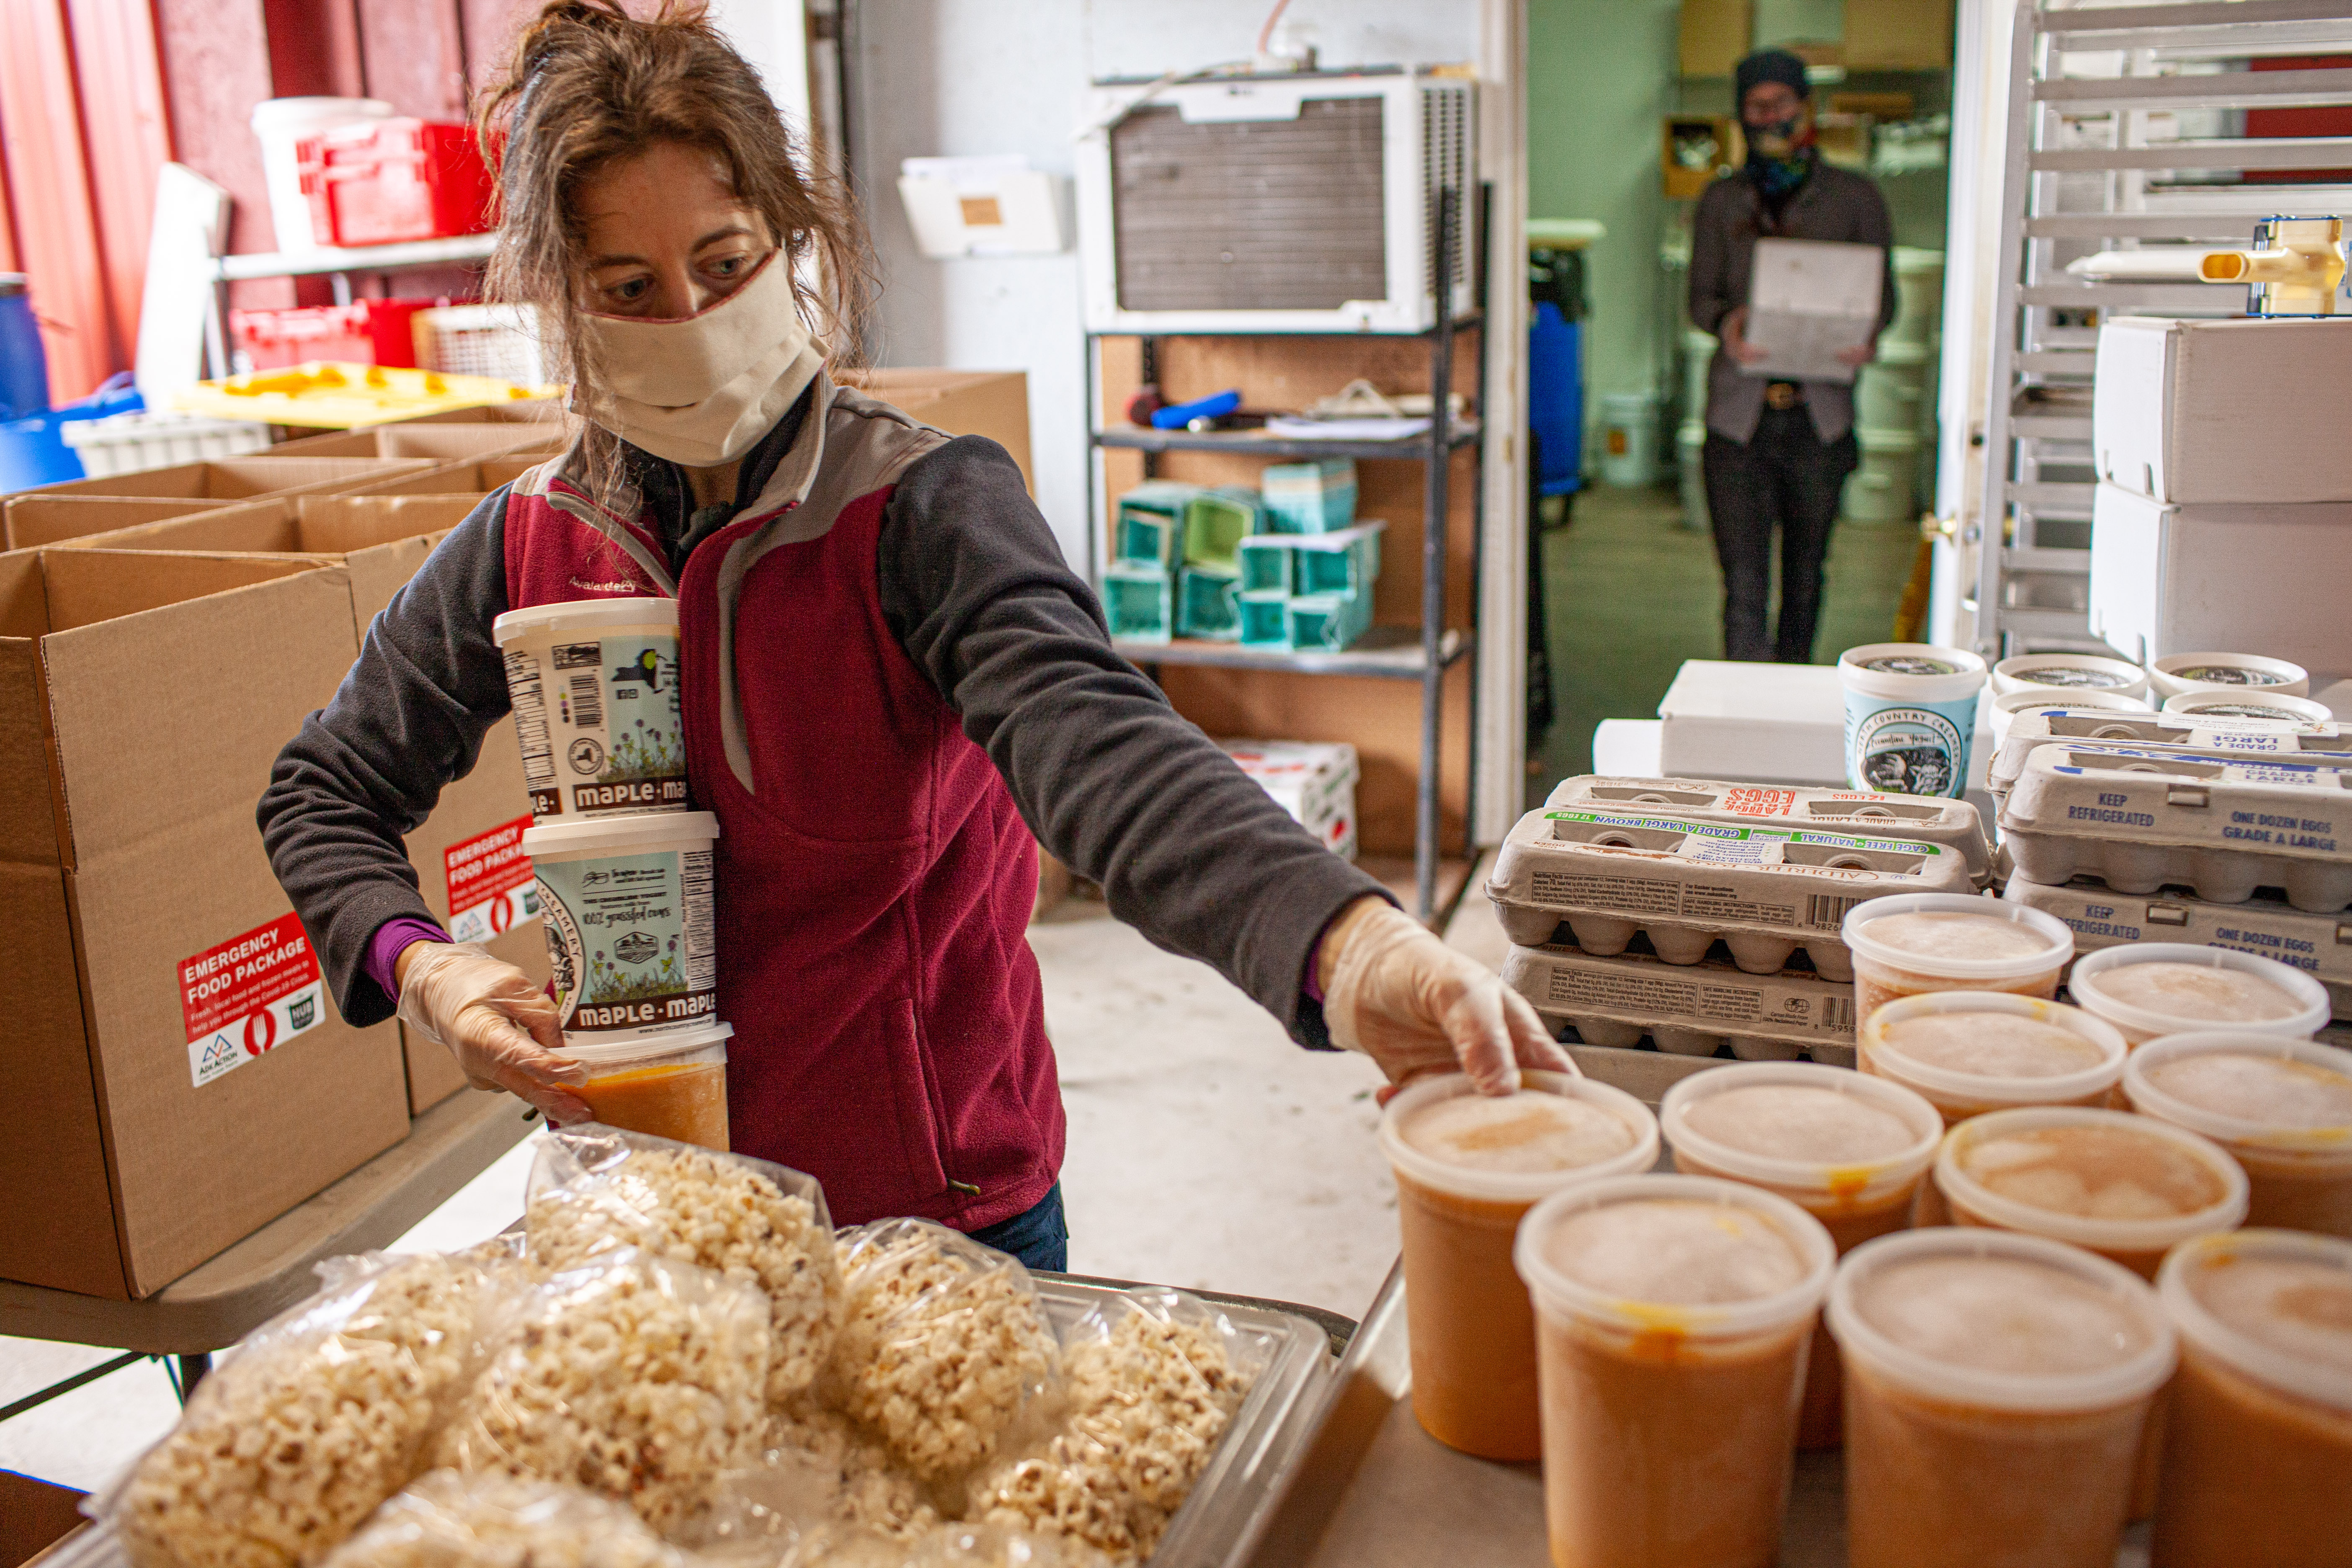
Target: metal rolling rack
{"type": "Point", "coordinates": [334, 263]}
{"type": "Point", "coordinates": [1395, 653]}
{"type": "Point", "coordinates": [2088, 166]}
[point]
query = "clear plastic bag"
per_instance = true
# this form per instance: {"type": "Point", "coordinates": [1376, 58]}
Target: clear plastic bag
{"type": "Point", "coordinates": [944, 1546]}
{"type": "Point", "coordinates": [1150, 1382]}
{"type": "Point", "coordinates": [595, 1189]}
{"type": "Point", "coordinates": [942, 1347]}
{"type": "Point", "coordinates": [324, 1412]}
{"type": "Point", "coordinates": [446, 1520]}
{"type": "Point", "coordinates": [633, 1376]}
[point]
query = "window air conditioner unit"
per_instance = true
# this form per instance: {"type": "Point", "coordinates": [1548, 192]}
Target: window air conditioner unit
{"type": "Point", "coordinates": [1302, 203]}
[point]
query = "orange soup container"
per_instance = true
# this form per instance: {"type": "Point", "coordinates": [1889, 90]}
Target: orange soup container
{"type": "Point", "coordinates": [2258, 1460]}
{"type": "Point", "coordinates": [1996, 1389]}
{"type": "Point", "coordinates": [2151, 989]}
{"type": "Point", "coordinates": [2282, 1108]}
{"type": "Point", "coordinates": [1468, 1167]}
{"type": "Point", "coordinates": [1848, 1150]}
{"type": "Point", "coordinates": [1911, 943]}
{"type": "Point", "coordinates": [1674, 1317]}
{"type": "Point", "coordinates": [670, 1086]}
{"type": "Point", "coordinates": [1968, 1052]}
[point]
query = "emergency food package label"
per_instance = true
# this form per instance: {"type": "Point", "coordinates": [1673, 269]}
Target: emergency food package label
{"type": "Point", "coordinates": [491, 888]}
{"type": "Point", "coordinates": [600, 727]}
{"type": "Point", "coordinates": [248, 995]}
{"type": "Point", "coordinates": [632, 939]}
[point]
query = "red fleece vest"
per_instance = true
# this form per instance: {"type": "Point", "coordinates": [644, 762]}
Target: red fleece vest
{"type": "Point", "coordinates": [874, 880]}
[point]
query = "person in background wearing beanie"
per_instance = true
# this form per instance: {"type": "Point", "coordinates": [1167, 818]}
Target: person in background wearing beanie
{"type": "Point", "coordinates": [1776, 451]}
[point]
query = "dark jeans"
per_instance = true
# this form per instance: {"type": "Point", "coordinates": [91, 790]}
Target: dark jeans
{"type": "Point", "coordinates": [1786, 475]}
{"type": "Point", "coordinates": [1037, 1237]}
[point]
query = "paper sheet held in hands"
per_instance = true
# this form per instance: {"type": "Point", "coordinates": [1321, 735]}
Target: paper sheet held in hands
{"type": "Point", "coordinates": [1807, 299]}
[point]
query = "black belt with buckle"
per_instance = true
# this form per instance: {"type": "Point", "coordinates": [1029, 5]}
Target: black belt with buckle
{"type": "Point", "coordinates": [1782, 394]}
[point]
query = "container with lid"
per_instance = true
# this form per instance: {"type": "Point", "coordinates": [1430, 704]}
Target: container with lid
{"type": "Point", "coordinates": [2282, 1108]}
{"type": "Point", "coordinates": [2069, 672]}
{"type": "Point", "coordinates": [1917, 943]}
{"type": "Point", "coordinates": [2264, 924]}
{"type": "Point", "coordinates": [1674, 1315]}
{"type": "Point", "coordinates": [2263, 706]}
{"type": "Point", "coordinates": [1968, 1052]}
{"type": "Point", "coordinates": [2177, 672]}
{"type": "Point", "coordinates": [595, 686]}
{"type": "Point", "coordinates": [631, 930]}
{"type": "Point", "coordinates": [2259, 1446]}
{"type": "Point", "coordinates": [1468, 1167]}
{"type": "Point", "coordinates": [2008, 705]}
{"type": "Point", "coordinates": [2148, 989]}
{"type": "Point", "coordinates": [671, 1085]}
{"type": "Point", "coordinates": [1998, 1389]}
{"type": "Point", "coordinates": [1910, 716]}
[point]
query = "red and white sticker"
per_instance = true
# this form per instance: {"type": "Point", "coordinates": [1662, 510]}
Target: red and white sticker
{"type": "Point", "coordinates": [1752, 801]}
{"type": "Point", "coordinates": [491, 886]}
{"type": "Point", "coordinates": [250, 994]}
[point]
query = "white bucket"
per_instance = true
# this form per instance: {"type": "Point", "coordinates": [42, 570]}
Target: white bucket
{"type": "Point", "coordinates": [1629, 440]}
{"type": "Point", "coordinates": [594, 688]}
{"type": "Point", "coordinates": [1884, 488]}
{"type": "Point", "coordinates": [1919, 296]}
{"type": "Point", "coordinates": [278, 123]}
{"type": "Point", "coordinates": [1888, 391]}
{"type": "Point", "coordinates": [1690, 448]}
{"type": "Point", "coordinates": [631, 928]}
{"type": "Point", "coordinates": [1698, 357]}
{"type": "Point", "coordinates": [1910, 717]}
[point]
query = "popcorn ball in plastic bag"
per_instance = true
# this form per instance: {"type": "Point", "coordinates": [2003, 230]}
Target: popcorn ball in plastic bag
{"type": "Point", "coordinates": [447, 1520]}
{"type": "Point", "coordinates": [631, 1375]}
{"type": "Point", "coordinates": [942, 1345]}
{"type": "Point", "coordinates": [323, 1413]}
{"type": "Point", "coordinates": [595, 1189]}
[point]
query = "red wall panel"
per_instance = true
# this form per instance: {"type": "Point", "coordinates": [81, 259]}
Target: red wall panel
{"type": "Point", "coordinates": [128, 139]}
{"type": "Point", "coordinates": [216, 58]}
{"type": "Point", "coordinates": [414, 56]}
{"type": "Point", "coordinates": [40, 123]}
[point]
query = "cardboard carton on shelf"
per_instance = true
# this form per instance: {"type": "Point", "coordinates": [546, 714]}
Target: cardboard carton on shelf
{"type": "Point", "coordinates": [2232, 411]}
{"type": "Point", "coordinates": [1898, 34]}
{"type": "Point", "coordinates": [420, 438]}
{"type": "Point", "coordinates": [174, 1075]}
{"type": "Point", "coordinates": [1714, 34]}
{"type": "Point", "coordinates": [241, 478]}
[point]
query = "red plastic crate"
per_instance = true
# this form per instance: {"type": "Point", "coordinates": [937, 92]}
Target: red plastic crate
{"type": "Point", "coordinates": [366, 332]}
{"type": "Point", "coordinates": [384, 180]}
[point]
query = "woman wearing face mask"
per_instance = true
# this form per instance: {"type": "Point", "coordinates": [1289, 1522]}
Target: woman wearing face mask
{"type": "Point", "coordinates": [1777, 452]}
{"type": "Point", "coordinates": [890, 679]}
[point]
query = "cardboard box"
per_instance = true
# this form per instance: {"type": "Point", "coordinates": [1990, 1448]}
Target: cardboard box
{"type": "Point", "coordinates": [169, 1082]}
{"type": "Point", "coordinates": [1810, 299]}
{"type": "Point", "coordinates": [413, 439]}
{"type": "Point", "coordinates": [35, 519]}
{"type": "Point", "coordinates": [2273, 579]}
{"type": "Point", "coordinates": [464, 477]}
{"type": "Point", "coordinates": [991, 402]}
{"type": "Point", "coordinates": [241, 478]}
{"type": "Point", "coordinates": [1714, 34]}
{"type": "Point", "coordinates": [1315, 780]}
{"type": "Point", "coordinates": [1898, 34]}
{"type": "Point", "coordinates": [1694, 150]}
{"type": "Point", "coordinates": [2234, 410]}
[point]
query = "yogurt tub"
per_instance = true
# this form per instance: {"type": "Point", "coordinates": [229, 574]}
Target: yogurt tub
{"type": "Point", "coordinates": [2261, 706]}
{"type": "Point", "coordinates": [1948, 941]}
{"type": "Point", "coordinates": [2282, 1108]}
{"type": "Point", "coordinates": [1910, 716]}
{"type": "Point", "coordinates": [1968, 1052]}
{"type": "Point", "coordinates": [2150, 989]}
{"type": "Point", "coordinates": [1848, 1150]}
{"type": "Point", "coordinates": [1468, 1167]}
{"type": "Point", "coordinates": [2260, 1439]}
{"type": "Point", "coordinates": [2069, 673]}
{"type": "Point", "coordinates": [1674, 1315]}
{"type": "Point", "coordinates": [1998, 1390]}
{"type": "Point", "coordinates": [631, 931]}
{"type": "Point", "coordinates": [673, 1086]}
{"type": "Point", "coordinates": [2177, 672]}
{"type": "Point", "coordinates": [595, 686]}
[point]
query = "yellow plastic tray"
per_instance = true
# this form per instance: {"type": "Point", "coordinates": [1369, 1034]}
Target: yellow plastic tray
{"type": "Point", "coordinates": [337, 395]}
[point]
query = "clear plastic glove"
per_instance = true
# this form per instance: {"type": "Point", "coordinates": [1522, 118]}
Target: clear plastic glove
{"type": "Point", "coordinates": [495, 1020]}
{"type": "Point", "coordinates": [1416, 1006]}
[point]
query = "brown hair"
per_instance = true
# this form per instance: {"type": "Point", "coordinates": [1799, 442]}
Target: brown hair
{"type": "Point", "coordinates": [588, 84]}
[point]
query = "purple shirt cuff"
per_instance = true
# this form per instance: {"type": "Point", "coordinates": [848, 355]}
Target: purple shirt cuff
{"type": "Point", "coordinates": [390, 941]}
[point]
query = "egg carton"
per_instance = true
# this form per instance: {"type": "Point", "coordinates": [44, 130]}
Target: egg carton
{"type": "Point", "coordinates": [1954, 823]}
{"type": "Point", "coordinates": [1687, 1010]}
{"type": "Point", "coordinates": [2329, 745]}
{"type": "Point", "coordinates": [2140, 820]}
{"type": "Point", "coordinates": [1763, 891]}
{"type": "Point", "coordinates": [2266, 926]}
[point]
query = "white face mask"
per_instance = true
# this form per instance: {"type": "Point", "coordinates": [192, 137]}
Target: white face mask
{"type": "Point", "coordinates": [701, 390]}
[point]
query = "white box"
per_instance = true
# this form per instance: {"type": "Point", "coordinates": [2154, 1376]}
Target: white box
{"type": "Point", "coordinates": [1315, 780]}
{"type": "Point", "coordinates": [2168, 578]}
{"type": "Point", "coordinates": [1808, 299]}
{"type": "Point", "coordinates": [2240, 410]}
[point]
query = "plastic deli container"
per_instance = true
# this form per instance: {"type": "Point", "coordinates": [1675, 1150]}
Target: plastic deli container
{"type": "Point", "coordinates": [1999, 1388]}
{"type": "Point", "coordinates": [2282, 1108]}
{"type": "Point", "coordinates": [630, 927]}
{"type": "Point", "coordinates": [2127, 1187]}
{"type": "Point", "coordinates": [2177, 672]}
{"type": "Point", "coordinates": [1468, 1167]}
{"type": "Point", "coordinates": [2068, 672]}
{"type": "Point", "coordinates": [674, 1086]}
{"type": "Point", "coordinates": [2153, 988]}
{"type": "Point", "coordinates": [1913, 943]}
{"type": "Point", "coordinates": [1674, 1315]}
{"type": "Point", "coordinates": [1848, 1150]}
{"type": "Point", "coordinates": [595, 686]}
{"type": "Point", "coordinates": [2259, 1442]}
{"type": "Point", "coordinates": [2265, 924]}
{"type": "Point", "coordinates": [1968, 1052]}
{"type": "Point", "coordinates": [1910, 716]}
{"type": "Point", "coordinates": [2265, 706]}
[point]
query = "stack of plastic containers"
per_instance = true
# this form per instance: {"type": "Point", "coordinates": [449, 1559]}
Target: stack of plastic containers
{"type": "Point", "coordinates": [1706, 916]}
{"type": "Point", "coordinates": [623, 864]}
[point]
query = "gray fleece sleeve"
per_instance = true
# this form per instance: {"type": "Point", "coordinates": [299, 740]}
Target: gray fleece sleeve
{"type": "Point", "coordinates": [1111, 779]}
{"type": "Point", "coordinates": [365, 771]}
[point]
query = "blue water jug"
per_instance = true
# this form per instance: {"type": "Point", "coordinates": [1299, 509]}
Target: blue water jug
{"type": "Point", "coordinates": [24, 366]}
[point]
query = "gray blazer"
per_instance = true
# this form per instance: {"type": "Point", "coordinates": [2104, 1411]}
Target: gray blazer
{"type": "Point", "coordinates": [1833, 204]}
